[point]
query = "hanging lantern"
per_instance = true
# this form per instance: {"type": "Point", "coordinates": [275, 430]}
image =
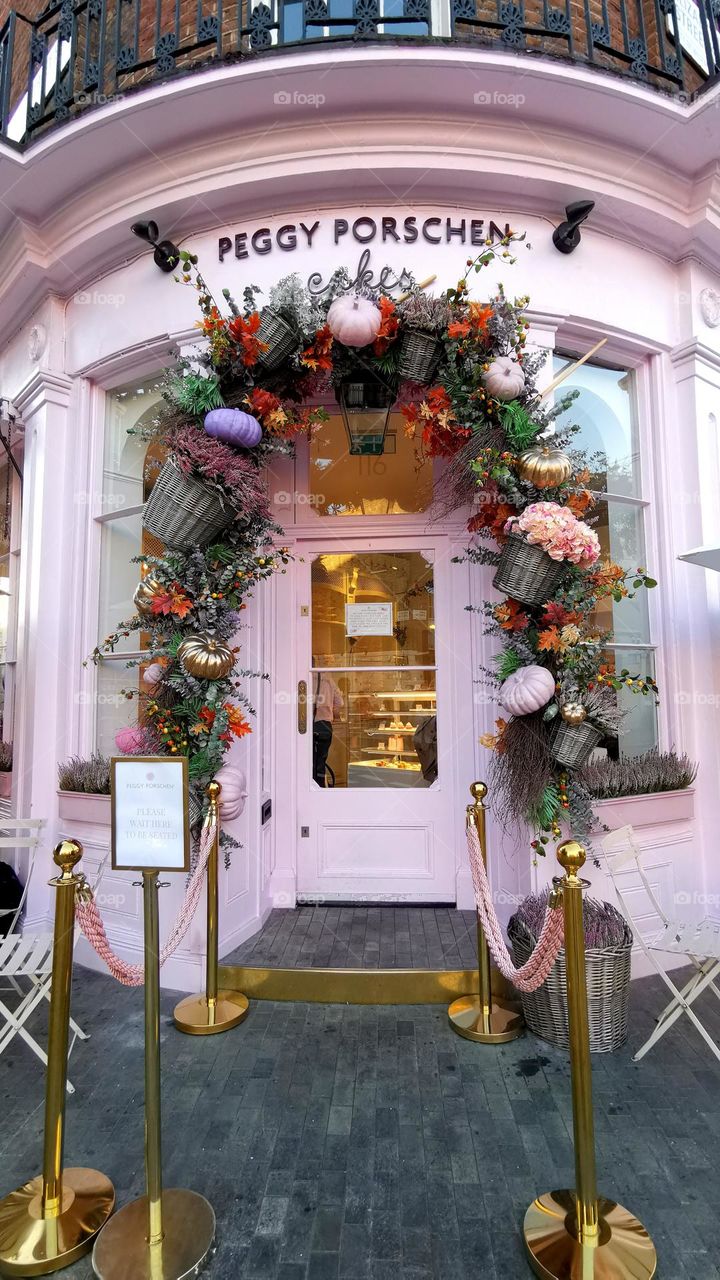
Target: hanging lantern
{"type": "Point", "coordinates": [205, 657]}
{"type": "Point", "coordinates": [573, 713]}
{"type": "Point", "coordinates": [145, 593]}
{"type": "Point", "coordinates": [544, 466]}
{"type": "Point", "coordinates": [365, 402]}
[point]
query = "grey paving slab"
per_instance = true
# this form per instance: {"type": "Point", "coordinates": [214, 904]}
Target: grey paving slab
{"type": "Point", "coordinates": [356, 1143]}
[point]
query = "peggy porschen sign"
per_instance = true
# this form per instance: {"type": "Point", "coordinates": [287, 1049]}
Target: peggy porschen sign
{"type": "Point", "coordinates": [364, 229]}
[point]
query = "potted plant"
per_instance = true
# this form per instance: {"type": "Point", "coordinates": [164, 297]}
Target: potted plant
{"type": "Point", "coordinates": [84, 788]}
{"type": "Point", "coordinates": [424, 319]}
{"type": "Point", "coordinates": [608, 948]}
{"type": "Point", "coordinates": [6, 764]}
{"type": "Point", "coordinates": [202, 487]}
{"type": "Point", "coordinates": [621, 789]}
{"type": "Point", "coordinates": [541, 542]}
{"type": "Point", "coordinates": [288, 316]}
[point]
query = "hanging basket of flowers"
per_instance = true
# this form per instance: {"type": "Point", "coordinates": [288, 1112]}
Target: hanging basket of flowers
{"type": "Point", "coordinates": [184, 512]}
{"type": "Point", "coordinates": [278, 340]}
{"type": "Point", "coordinates": [572, 744]}
{"type": "Point", "coordinates": [541, 542]}
{"type": "Point", "coordinates": [526, 572]}
{"type": "Point", "coordinates": [424, 319]}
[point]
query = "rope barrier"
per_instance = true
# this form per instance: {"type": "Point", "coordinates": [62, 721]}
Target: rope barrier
{"type": "Point", "coordinates": [532, 974]}
{"type": "Point", "coordinates": [88, 917]}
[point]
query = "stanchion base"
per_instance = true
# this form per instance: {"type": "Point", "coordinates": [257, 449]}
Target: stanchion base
{"type": "Point", "coordinates": [192, 1015]}
{"type": "Point", "coordinates": [505, 1021]}
{"type": "Point", "coordinates": [623, 1251]}
{"type": "Point", "coordinates": [122, 1252]}
{"type": "Point", "coordinates": [31, 1245]}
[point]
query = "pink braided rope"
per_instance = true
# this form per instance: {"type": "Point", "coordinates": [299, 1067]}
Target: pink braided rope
{"type": "Point", "coordinates": [532, 974]}
{"type": "Point", "coordinates": [133, 975]}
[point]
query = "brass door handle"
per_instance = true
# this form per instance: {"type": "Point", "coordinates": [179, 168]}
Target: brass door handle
{"type": "Point", "coordinates": [302, 706]}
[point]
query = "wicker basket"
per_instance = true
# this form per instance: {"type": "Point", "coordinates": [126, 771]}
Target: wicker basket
{"type": "Point", "coordinates": [419, 355]}
{"type": "Point", "coordinates": [608, 990]}
{"type": "Point", "coordinates": [281, 339]}
{"type": "Point", "coordinates": [572, 743]}
{"type": "Point", "coordinates": [183, 512]}
{"type": "Point", "coordinates": [526, 572]}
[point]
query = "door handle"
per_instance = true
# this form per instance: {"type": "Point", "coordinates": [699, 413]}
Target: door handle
{"type": "Point", "coordinates": [302, 700]}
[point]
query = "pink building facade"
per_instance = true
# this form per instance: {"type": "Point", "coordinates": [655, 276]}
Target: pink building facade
{"type": "Point", "coordinates": [369, 157]}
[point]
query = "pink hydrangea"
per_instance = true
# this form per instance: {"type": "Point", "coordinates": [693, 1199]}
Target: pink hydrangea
{"type": "Point", "coordinates": [558, 531]}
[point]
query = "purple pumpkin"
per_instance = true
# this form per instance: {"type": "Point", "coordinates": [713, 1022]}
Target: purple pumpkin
{"type": "Point", "coordinates": [131, 740]}
{"type": "Point", "coordinates": [232, 426]}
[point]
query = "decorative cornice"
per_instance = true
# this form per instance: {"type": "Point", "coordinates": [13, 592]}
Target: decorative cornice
{"type": "Point", "coordinates": [44, 387]}
{"type": "Point", "coordinates": [693, 351]}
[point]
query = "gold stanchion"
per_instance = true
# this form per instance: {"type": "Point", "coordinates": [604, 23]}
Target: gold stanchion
{"type": "Point", "coordinates": [164, 1235]}
{"type": "Point", "coordinates": [52, 1220]}
{"type": "Point", "coordinates": [484, 1017]}
{"type": "Point", "coordinates": [575, 1234]}
{"type": "Point", "coordinates": [205, 1015]}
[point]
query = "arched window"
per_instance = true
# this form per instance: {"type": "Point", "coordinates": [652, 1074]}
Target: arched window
{"type": "Point", "coordinates": [129, 471]}
{"type": "Point", "coordinates": [605, 411]}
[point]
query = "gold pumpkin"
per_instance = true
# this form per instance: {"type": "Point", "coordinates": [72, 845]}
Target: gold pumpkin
{"type": "Point", "coordinates": [544, 466]}
{"type": "Point", "coordinates": [145, 593]}
{"type": "Point", "coordinates": [573, 713]}
{"type": "Point", "coordinates": [205, 657]}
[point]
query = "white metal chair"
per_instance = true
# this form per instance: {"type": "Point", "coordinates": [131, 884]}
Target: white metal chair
{"type": "Point", "coordinates": [698, 942]}
{"type": "Point", "coordinates": [28, 955]}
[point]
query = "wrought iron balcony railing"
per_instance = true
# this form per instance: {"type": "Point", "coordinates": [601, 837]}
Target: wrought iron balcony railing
{"type": "Point", "coordinates": [82, 53]}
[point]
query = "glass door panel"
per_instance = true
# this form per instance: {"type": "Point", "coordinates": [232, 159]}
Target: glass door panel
{"type": "Point", "coordinates": [373, 677]}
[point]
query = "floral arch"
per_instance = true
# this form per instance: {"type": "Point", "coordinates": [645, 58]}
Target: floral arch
{"type": "Point", "coordinates": [466, 385]}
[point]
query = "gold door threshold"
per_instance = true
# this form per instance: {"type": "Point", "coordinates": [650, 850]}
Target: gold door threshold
{"type": "Point", "coordinates": [354, 986]}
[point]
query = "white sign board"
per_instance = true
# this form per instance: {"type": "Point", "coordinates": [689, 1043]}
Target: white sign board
{"type": "Point", "coordinates": [150, 827]}
{"type": "Point", "coordinates": [369, 619]}
{"type": "Point", "coordinates": [690, 31]}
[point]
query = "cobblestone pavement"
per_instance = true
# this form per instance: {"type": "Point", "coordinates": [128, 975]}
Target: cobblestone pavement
{"type": "Point", "coordinates": [373, 1143]}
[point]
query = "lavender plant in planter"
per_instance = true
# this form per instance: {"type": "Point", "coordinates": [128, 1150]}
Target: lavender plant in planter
{"type": "Point", "coordinates": [608, 949]}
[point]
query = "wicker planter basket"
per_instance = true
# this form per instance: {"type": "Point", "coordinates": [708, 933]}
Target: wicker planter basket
{"type": "Point", "coordinates": [281, 339]}
{"type": "Point", "coordinates": [608, 989]}
{"type": "Point", "coordinates": [419, 355]}
{"type": "Point", "coordinates": [572, 743]}
{"type": "Point", "coordinates": [183, 512]}
{"type": "Point", "coordinates": [526, 572]}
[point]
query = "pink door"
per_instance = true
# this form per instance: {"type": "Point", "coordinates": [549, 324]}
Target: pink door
{"type": "Point", "coordinates": [375, 787]}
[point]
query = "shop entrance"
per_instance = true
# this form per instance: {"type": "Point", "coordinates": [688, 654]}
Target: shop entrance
{"type": "Point", "coordinates": [374, 731]}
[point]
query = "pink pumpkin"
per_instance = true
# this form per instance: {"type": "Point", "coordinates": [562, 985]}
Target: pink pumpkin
{"type": "Point", "coordinates": [131, 740]}
{"type": "Point", "coordinates": [527, 690]}
{"type": "Point", "coordinates": [354, 321]}
{"type": "Point", "coordinates": [153, 674]}
{"type": "Point", "coordinates": [234, 792]}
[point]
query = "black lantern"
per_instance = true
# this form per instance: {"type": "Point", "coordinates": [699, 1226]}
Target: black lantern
{"type": "Point", "coordinates": [365, 402]}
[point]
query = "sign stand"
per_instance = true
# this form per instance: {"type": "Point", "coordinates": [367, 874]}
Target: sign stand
{"type": "Point", "coordinates": [206, 1015]}
{"type": "Point", "coordinates": [52, 1220]}
{"type": "Point", "coordinates": [164, 1235]}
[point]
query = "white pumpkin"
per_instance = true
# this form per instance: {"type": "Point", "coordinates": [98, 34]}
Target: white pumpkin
{"type": "Point", "coordinates": [234, 792]}
{"type": "Point", "coordinates": [504, 378]}
{"type": "Point", "coordinates": [153, 674]}
{"type": "Point", "coordinates": [527, 690]}
{"type": "Point", "coordinates": [354, 321]}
